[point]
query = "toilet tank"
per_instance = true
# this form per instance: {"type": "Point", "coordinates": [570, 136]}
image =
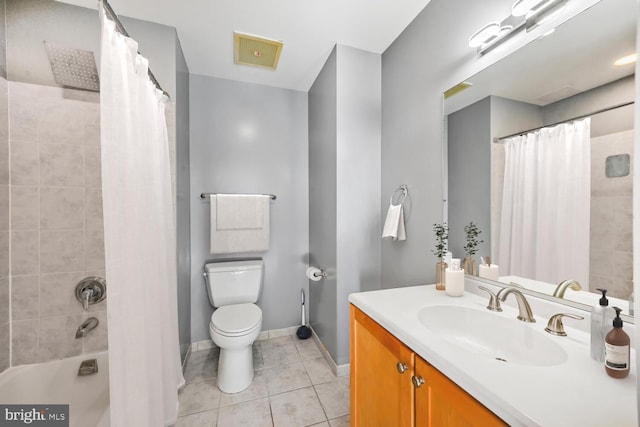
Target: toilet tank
{"type": "Point", "coordinates": [234, 282]}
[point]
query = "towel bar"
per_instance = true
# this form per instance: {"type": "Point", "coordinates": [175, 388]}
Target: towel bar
{"type": "Point", "coordinates": [205, 195]}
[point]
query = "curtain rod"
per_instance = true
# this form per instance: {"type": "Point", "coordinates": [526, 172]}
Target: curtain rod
{"type": "Point", "coordinates": [112, 15]}
{"type": "Point", "coordinates": [604, 110]}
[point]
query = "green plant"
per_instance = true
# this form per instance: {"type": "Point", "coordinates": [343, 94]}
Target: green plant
{"type": "Point", "coordinates": [442, 236]}
{"type": "Point", "coordinates": [472, 231]}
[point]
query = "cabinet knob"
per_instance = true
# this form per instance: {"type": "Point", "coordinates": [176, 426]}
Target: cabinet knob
{"type": "Point", "coordinates": [417, 381]}
{"type": "Point", "coordinates": [401, 367]}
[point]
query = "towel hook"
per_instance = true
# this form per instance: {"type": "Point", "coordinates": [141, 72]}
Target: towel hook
{"type": "Point", "coordinates": [403, 196]}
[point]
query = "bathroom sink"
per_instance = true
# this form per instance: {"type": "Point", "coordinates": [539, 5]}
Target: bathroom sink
{"type": "Point", "coordinates": [492, 335]}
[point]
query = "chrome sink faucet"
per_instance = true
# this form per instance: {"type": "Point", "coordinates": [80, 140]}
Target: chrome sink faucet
{"type": "Point", "coordinates": [494, 303]}
{"type": "Point", "coordinates": [526, 315]}
{"type": "Point", "coordinates": [562, 287]}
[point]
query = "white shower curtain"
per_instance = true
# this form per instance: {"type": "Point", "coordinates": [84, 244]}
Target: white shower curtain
{"type": "Point", "coordinates": [140, 250]}
{"type": "Point", "coordinates": [545, 222]}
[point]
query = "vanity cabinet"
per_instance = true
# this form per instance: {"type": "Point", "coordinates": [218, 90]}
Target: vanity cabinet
{"type": "Point", "coordinates": [392, 386]}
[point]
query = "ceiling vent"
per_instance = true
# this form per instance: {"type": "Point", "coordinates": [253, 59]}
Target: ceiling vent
{"type": "Point", "coordinates": [557, 95]}
{"type": "Point", "coordinates": [256, 51]}
{"type": "Point", "coordinates": [456, 89]}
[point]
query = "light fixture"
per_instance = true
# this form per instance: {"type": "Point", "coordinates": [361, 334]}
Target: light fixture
{"type": "Point", "coordinates": [625, 60]}
{"type": "Point", "coordinates": [504, 30]}
{"type": "Point", "coordinates": [484, 34]}
{"type": "Point", "coordinates": [522, 7]}
{"type": "Point", "coordinates": [544, 12]}
{"type": "Point", "coordinates": [526, 15]}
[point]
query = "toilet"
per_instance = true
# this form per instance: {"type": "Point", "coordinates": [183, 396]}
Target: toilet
{"type": "Point", "coordinates": [233, 288]}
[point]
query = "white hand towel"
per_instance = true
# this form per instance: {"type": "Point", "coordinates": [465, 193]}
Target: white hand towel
{"type": "Point", "coordinates": [394, 224]}
{"type": "Point", "coordinates": [239, 224]}
{"type": "Point", "coordinates": [240, 212]}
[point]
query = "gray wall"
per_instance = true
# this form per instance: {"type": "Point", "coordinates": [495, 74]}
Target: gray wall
{"type": "Point", "coordinates": [183, 204]}
{"type": "Point", "coordinates": [469, 153]}
{"type": "Point", "coordinates": [323, 188]}
{"type": "Point", "coordinates": [614, 93]}
{"type": "Point", "coordinates": [344, 128]}
{"type": "Point", "coordinates": [248, 138]}
{"type": "Point", "coordinates": [159, 44]}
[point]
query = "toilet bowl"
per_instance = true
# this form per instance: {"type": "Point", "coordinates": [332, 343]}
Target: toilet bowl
{"type": "Point", "coordinates": [234, 288]}
{"type": "Point", "coordinates": [234, 328]}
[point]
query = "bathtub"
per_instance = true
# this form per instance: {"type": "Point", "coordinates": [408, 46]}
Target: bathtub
{"type": "Point", "coordinates": [57, 382]}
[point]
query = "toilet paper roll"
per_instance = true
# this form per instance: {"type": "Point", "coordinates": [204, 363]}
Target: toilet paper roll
{"type": "Point", "coordinates": [314, 274]}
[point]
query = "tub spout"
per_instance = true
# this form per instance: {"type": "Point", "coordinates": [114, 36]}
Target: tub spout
{"type": "Point", "coordinates": [87, 326]}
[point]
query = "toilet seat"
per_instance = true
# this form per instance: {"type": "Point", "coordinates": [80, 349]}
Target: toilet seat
{"type": "Point", "coordinates": [236, 319]}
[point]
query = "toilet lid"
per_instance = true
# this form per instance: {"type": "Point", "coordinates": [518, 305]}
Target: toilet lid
{"type": "Point", "coordinates": [236, 318]}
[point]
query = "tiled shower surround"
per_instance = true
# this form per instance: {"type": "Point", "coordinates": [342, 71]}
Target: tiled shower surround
{"type": "Point", "coordinates": [611, 218]}
{"type": "Point", "coordinates": [56, 220]}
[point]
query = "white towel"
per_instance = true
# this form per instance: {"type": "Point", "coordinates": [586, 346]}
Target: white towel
{"type": "Point", "coordinates": [239, 223]}
{"type": "Point", "coordinates": [239, 212]}
{"type": "Point", "coordinates": [394, 224]}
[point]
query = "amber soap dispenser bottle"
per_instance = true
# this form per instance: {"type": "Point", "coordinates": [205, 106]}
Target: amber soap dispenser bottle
{"type": "Point", "coordinates": [617, 346]}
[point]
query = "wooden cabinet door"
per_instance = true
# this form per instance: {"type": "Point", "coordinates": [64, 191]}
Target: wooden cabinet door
{"type": "Point", "coordinates": [441, 403]}
{"type": "Point", "coordinates": [381, 395]}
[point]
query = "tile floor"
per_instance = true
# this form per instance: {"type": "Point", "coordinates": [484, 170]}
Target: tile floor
{"type": "Point", "coordinates": [293, 386]}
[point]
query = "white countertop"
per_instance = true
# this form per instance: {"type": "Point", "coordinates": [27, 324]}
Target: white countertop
{"type": "Point", "coordinates": [576, 393]}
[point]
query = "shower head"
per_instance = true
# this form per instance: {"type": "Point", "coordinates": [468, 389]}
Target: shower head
{"type": "Point", "coordinates": [73, 68]}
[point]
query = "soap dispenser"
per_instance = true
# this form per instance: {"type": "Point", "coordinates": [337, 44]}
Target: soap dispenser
{"type": "Point", "coordinates": [617, 345]}
{"type": "Point", "coordinates": [601, 320]}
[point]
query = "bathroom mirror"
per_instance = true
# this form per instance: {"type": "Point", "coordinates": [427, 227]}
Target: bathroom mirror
{"type": "Point", "coordinates": [560, 76]}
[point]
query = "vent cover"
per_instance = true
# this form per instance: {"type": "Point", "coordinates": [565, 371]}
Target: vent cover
{"type": "Point", "coordinates": [456, 89]}
{"type": "Point", "coordinates": [557, 95]}
{"type": "Point", "coordinates": [256, 51]}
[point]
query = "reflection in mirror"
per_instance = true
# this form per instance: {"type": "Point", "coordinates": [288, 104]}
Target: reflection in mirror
{"type": "Point", "coordinates": [560, 81]}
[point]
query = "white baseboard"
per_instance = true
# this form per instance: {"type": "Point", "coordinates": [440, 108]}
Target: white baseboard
{"type": "Point", "coordinates": [338, 370]}
{"type": "Point", "coordinates": [264, 335]}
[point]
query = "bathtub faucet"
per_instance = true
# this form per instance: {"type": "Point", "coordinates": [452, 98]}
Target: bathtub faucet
{"type": "Point", "coordinates": [87, 326]}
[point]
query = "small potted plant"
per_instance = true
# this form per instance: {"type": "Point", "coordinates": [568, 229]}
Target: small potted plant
{"type": "Point", "coordinates": [472, 232]}
{"type": "Point", "coordinates": [442, 236]}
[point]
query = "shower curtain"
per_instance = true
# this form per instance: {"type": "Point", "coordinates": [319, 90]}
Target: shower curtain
{"type": "Point", "coordinates": [140, 250]}
{"type": "Point", "coordinates": [545, 221]}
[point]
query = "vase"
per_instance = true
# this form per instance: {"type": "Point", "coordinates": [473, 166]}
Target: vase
{"type": "Point", "coordinates": [441, 268]}
{"type": "Point", "coordinates": [470, 266]}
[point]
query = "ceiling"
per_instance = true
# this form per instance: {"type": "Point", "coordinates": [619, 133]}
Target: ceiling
{"type": "Point", "coordinates": [309, 30]}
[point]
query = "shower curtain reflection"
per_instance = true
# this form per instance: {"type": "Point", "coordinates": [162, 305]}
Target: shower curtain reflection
{"type": "Point", "coordinates": [140, 247]}
{"type": "Point", "coordinates": [545, 221]}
